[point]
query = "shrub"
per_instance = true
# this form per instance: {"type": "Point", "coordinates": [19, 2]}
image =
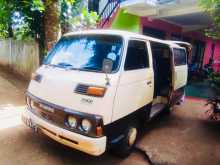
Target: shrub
{"type": "Point", "coordinates": [85, 20]}
{"type": "Point", "coordinates": [215, 80]}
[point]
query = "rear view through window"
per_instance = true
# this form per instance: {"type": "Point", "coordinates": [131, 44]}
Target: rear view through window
{"type": "Point", "coordinates": [179, 57]}
{"type": "Point", "coordinates": [86, 52]}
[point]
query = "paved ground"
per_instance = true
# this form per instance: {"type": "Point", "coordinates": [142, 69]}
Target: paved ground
{"type": "Point", "coordinates": [182, 138]}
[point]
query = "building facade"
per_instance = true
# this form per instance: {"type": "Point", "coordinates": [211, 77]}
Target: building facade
{"type": "Point", "coordinates": [182, 20]}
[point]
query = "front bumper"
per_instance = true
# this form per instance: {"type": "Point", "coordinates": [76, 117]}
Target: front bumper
{"type": "Point", "coordinates": [92, 146]}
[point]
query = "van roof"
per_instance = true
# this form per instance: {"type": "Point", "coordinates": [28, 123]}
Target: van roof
{"type": "Point", "coordinates": [123, 34]}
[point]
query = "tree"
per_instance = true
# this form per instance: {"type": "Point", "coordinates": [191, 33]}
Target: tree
{"type": "Point", "coordinates": [51, 22]}
{"type": "Point", "coordinates": [212, 7]}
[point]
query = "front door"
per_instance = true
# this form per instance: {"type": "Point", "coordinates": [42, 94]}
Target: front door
{"type": "Point", "coordinates": [136, 84]}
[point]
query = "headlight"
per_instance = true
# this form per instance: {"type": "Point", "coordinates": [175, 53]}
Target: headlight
{"type": "Point", "coordinates": [86, 125]}
{"type": "Point", "coordinates": [72, 121]}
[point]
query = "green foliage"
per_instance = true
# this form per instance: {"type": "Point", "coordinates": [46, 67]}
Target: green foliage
{"type": "Point", "coordinates": [214, 78]}
{"type": "Point", "coordinates": [37, 5]}
{"type": "Point", "coordinates": [69, 1]}
{"type": "Point", "coordinates": [3, 31]}
{"type": "Point", "coordinates": [85, 20]}
{"type": "Point", "coordinates": [5, 19]}
{"type": "Point", "coordinates": [212, 7]}
{"type": "Point", "coordinates": [32, 12]}
{"type": "Point", "coordinates": [23, 33]}
{"type": "Point", "coordinates": [68, 11]}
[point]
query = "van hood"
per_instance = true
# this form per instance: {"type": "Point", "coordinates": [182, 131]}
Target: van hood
{"type": "Point", "coordinates": [57, 86]}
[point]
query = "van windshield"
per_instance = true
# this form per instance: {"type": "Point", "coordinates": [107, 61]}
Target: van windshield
{"type": "Point", "coordinates": [86, 52]}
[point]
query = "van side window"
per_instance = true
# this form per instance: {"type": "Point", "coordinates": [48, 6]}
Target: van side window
{"type": "Point", "coordinates": [179, 57]}
{"type": "Point", "coordinates": [137, 55]}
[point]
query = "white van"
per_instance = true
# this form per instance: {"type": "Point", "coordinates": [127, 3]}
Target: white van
{"type": "Point", "coordinates": [97, 88]}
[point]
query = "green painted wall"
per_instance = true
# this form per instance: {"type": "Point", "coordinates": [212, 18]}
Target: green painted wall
{"type": "Point", "coordinates": [125, 21]}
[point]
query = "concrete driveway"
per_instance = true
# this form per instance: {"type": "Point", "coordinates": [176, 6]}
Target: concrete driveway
{"type": "Point", "coordinates": [181, 138]}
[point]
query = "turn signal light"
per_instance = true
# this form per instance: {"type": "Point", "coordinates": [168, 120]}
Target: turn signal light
{"type": "Point", "coordinates": [96, 91]}
{"type": "Point", "coordinates": [99, 131]}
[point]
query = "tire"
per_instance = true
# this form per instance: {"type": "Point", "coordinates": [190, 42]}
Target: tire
{"type": "Point", "coordinates": [126, 145]}
{"type": "Point", "coordinates": [167, 110]}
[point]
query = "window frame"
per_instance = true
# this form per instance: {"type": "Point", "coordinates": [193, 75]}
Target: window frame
{"type": "Point", "coordinates": [174, 61]}
{"type": "Point", "coordinates": [148, 54]}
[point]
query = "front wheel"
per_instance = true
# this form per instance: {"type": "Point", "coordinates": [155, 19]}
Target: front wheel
{"type": "Point", "coordinates": [167, 110]}
{"type": "Point", "coordinates": [126, 145]}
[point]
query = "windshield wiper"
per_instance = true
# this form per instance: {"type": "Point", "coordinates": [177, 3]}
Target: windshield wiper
{"type": "Point", "coordinates": [68, 66]}
{"type": "Point", "coordinates": [63, 64]}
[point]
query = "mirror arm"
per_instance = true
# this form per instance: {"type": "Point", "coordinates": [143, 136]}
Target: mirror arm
{"type": "Point", "coordinates": [107, 79]}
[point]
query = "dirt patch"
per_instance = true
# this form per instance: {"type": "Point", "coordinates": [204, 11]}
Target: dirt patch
{"type": "Point", "coordinates": [15, 79]}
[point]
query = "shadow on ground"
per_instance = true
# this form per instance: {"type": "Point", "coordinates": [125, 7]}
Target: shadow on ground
{"type": "Point", "coordinates": [182, 138]}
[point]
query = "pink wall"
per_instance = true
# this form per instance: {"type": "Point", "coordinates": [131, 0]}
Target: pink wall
{"type": "Point", "coordinates": [195, 35]}
{"type": "Point", "coordinates": [208, 52]}
{"type": "Point", "coordinates": [217, 57]}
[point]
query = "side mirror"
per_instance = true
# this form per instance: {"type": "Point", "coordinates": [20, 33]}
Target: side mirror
{"type": "Point", "coordinates": [107, 65]}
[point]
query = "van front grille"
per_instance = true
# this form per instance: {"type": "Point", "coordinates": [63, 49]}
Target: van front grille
{"type": "Point", "coordinates": [81, 89]}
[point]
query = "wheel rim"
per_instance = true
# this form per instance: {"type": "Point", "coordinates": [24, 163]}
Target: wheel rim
{"type": "Point", "coordinates": [132, 135]}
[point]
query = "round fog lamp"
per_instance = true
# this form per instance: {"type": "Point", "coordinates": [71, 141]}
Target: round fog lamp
{"type": "Point", "coordinates": [86, 125]}
{"type": "Point", "coordinates": [72, 121]}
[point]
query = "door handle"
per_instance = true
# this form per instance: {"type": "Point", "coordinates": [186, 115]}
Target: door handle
{"type": "Point", "coordinates": [149, 82]}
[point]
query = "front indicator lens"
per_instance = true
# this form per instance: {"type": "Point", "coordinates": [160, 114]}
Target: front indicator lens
{"type": "Point", "coordinates": [86, 125]}
{"type": "Point", "coordinates": [72, 121]}
{"type": "Point", "coordinates": [96, 91]}
{"type": "Point", "coordinates": [99, 131]}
